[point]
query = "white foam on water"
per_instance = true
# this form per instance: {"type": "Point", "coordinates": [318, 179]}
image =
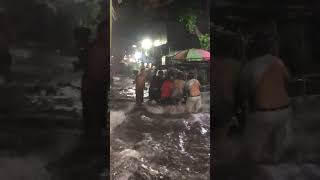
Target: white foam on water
{"type": "Point", "coordinates": [116, 118]}
{"type": "Point", "coordinates": [125, 176]}
{"type": "Point", "coordinates": [178, 109]}
{"type": "Point", "coordinates": [69, 92]}
{"type": "Point", "coordinates": [288, 171]}
{"type": "Point", "coordinates": [155, 109]}
{"type": "Point", "coordinates": [130, 153]}
{"type": "Point", "coordinates": [203, 118]}
{"type": "Point", "coordinates": [158, 109]}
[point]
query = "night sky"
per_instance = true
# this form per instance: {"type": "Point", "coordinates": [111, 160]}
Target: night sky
{"type": "Point", "coordinates": [132, 24]}
{"type": "Point", "coordinates": [135, 21]}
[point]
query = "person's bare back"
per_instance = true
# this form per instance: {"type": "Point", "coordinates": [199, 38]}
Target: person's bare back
{"type": "Point", "coordinates": [271, 89]}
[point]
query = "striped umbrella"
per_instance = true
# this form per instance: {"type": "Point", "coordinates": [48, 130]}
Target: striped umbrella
{"type": "Point", "coordinates": [192, 55]}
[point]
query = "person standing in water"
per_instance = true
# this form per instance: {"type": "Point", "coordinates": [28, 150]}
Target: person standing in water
{"type": "Point", "coordinates": [193, 87]}
{"type": "Point", "coordinates": [166, 90]}
{"type": "Point", "coordinates": [140, 85]}
{"type": "Point", "coordinates": [263, 87]}
{"type": "Point", "coordinates": [179, 85]}
{"type": "Point", "coordinates": [155, 87]}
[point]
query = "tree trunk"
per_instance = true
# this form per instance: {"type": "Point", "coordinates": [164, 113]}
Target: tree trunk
{"type": "Point", "coordinates": [197, 32]}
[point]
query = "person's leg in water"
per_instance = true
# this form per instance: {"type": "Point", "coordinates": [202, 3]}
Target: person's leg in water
{"type": "Point", "coordinates": [189, 105]}
{"type": "Point", "coordinates": [158, 96]}
{"type": "Point", "coordinates": [180, 106]}
{"type": "Point", "coordinates": [165, 102]}
{"type": "Point", "coordinates": [142, 96]}
{"type": "Point", "coordinates": [152, 95]}
{"type": "Point", "coordinates": [258, 136]}
{"type": "Point", "coordinates": [172, 104]}
{"type": "Point", "coordinates": [281, 140]}
{"type": "Point", "coordinates": [139, 96]}
{"type": "Point", "coordinates": [267, 135]}
{"type": "Point", "coordinates": [198, 104]}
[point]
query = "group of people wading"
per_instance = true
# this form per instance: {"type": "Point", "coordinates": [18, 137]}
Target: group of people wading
{"type": "Point", "coordinates": [171, 89]}
{"type": "Point", "coordinates": [256, 93]}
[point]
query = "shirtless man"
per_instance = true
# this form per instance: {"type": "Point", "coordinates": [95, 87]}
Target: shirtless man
{"type": "Point", "coordinates": [193, 87]}
{"type": "Point", "coordinates": [266, 99]}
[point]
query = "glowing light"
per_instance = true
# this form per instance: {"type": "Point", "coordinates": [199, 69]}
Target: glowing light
{"type": "Point", "coordinates": [163, 60]}
{"type": "Point", "coordinates": [157, 43]}
{"type": "Point", "coordinates": [134, 46]}
{"type": "Point", "coordinates": [146, 44]}
{"type": "Point", "coordinates": [132, 60]}
{"type": "Point", "coordinates": [137, 55]}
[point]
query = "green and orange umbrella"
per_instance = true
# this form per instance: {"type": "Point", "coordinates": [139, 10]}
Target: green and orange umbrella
{"type": "Point", "coordinates": [192, 55]}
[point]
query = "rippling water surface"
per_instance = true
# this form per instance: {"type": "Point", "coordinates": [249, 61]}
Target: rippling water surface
{"type": "Point", "coordinates": [147, 146]}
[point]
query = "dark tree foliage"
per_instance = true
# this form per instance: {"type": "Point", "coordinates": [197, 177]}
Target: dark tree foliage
{"type": "Point", "coordinates": [188, 12]}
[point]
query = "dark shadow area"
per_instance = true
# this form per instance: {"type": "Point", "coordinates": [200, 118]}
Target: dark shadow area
{"type": "Point", "coordinates": [43, 58]}
{"type": "Point", "coordinates": [291, 27]}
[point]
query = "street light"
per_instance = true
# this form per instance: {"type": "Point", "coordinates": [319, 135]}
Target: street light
{"type": "Point", "coordinates": [134, 46]}
{"type": "Point", "coordinates": [157, 43]}
{"type": "Point", "coordinates": [132, 60]}
{"type": "Point", "coordinates": [137, 55]}
{"type": "Point", "coordinates": [146, 44]}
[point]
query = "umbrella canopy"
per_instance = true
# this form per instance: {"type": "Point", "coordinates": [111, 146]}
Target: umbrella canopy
{"type": "Point", "coordinates": [192, 55]}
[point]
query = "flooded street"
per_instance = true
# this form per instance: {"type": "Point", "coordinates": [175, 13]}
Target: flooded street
{"type": "Point", "coordinates": [40, 114]}
{"type": "Point", "coordinates": [300, 162]}
{"type": "Point", "coordinates": [146, 146]}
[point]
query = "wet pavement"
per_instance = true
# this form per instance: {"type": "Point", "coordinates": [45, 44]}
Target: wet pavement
{"type": "Point", "coordinates": [40, 119]}
{"type": "Point", "coordinates": [147, 146]}
{"type": "Point", "coordinates": [40, 116]}
{"type": "Point", "coordinates": [302, 160]}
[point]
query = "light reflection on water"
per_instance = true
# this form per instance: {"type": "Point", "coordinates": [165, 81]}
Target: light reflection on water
{"type": "Point", "coordinates": [154, 146]}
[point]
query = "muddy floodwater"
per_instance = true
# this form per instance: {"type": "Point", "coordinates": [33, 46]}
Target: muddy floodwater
{"type": "Point", "coordinates": [147, 146]}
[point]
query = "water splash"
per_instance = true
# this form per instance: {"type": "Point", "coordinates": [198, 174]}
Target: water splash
{"type": "Point", "coordinates": [116, 118]}
{"type": "Point", "coordinates": [149, 144]}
